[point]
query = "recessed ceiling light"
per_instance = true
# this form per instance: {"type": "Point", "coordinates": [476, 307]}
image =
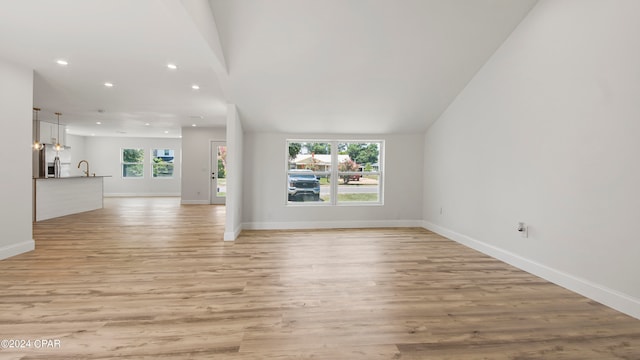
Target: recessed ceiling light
{"type": "Point", "coordinates": [108, 84]}
{"type": "Point", "coordinates": [146, 124]}
{"type": "Point", "coordinates": [194, 125]}
{"type": "Point", "coordinates": [93, 134]}
{"type": "Point", "coordinates": [98, 123]}
{"type": "Point", "coordinates": [172, 66]}
{"type": "Point", "coordinates": [195, 87]}
{"type": "Point", "coordinates": [166, 132]}
{"type": "Point", "coordinates": [62, 62]}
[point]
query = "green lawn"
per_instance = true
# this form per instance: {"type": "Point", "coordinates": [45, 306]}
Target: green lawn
{"type": "Point", "coordinates": [353, 197]}
{"type": "Point", "coordinates": [374, 178]}
{"type": "Point", "coordinates": [222, 182]}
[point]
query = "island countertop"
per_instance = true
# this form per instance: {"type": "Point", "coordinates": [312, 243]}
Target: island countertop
{"type": "Point", "coordinates": [71, 177]}
{"type": "Point", "coordinates": [67, 195]}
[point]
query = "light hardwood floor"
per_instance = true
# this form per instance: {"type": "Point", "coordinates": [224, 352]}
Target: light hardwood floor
{"type": "Point", "coordinates": [150, 279]}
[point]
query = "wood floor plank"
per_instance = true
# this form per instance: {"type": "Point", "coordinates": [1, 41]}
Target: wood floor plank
{"type": "Point", "coordinates": [148, 278]}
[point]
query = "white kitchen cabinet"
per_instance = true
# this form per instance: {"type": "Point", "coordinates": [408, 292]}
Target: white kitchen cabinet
{"type": "Point", "coordinates": [45, 132]}
{"type": "Point", "coordinates": [49, 133]}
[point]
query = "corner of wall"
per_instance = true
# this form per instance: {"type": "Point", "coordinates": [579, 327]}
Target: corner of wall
{"type": "Point", "coordinates": [235, 136]}
{"type": "Point", "coordinates": [232, 235]}
{"type": "Point", "coordinates": [17, 249]}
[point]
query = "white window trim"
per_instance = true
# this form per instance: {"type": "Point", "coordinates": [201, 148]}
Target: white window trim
{"type": "Point", "coordinates": [334, 173]}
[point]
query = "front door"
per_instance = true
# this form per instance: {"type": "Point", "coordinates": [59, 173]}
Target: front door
{"type": "Point", "coordinates": [218, 172]}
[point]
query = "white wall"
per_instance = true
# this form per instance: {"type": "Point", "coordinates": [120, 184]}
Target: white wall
{"type": "Point", "coordinates": [547, 133]}
{"type": "Point", "coordinates": [196, 162]}
{"type": "Point", "coordinates": [235, 174]}
{"type": "Point", "coordinates": [77, 145]}
{"type": "Point", "coordinates": [104, 154]}
{"type": "Point", "coordinates": [16, 192]}
{"type": "Point", "coordinates": [265, 186]}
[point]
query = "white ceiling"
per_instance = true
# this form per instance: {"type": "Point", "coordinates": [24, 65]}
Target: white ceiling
{"type": "Point", "coordinates": [356, 66]}
{"type": "Point", "coordinates": [128, 43]}
{"type": "Point", "coordinates": [330, 66]}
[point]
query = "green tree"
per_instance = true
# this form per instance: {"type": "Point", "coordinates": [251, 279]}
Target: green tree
{"type": "Point", "coordinates": [222, 172]}
{"type": "Point", "coordinates": [364, 153]}
{"type": "Point", "coordinates": [369, 154]}
{"type": "Point", "coordinates": [353, 150]}
{"type": "Point", "coordinates": [222, 162]}
{"type": "Point", "coordinates": [318, 148]}
{"type": "Point", "coordinates": [162, 168]}
{"type": "Point", "coordinates": [294, 150]}
{"type": "Point", "coordinates": [133, 162]}
{"type": "Point", "coordinates": [132, 155]}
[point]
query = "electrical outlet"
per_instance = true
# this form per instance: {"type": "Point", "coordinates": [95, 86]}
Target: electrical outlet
{"type": "Point", "coordinates": [523, 229]}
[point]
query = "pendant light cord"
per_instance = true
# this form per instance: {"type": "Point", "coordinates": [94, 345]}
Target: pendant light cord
{"type": "Point", "coordinates": [58, 145]}
{"type": "Point", "coordinates": [58, 127]}
{"type": "Point", "coordinates": [36, 143]}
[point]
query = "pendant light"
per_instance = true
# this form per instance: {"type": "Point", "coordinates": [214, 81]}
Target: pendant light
{"type": "Point", "coordinates": [58, 147]}
{"type": "Point", "coordinates": [37, 145]}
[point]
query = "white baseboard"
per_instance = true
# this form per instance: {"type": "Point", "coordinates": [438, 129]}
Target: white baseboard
{"type": "Point", "coordinates": [17, 249]}
{"type": "Point", "coordinates": [195, 202]}
{"type": "Point", "coordinates": [232, 235]}
{"type": "Point", "coordinates": [609, 297]}
{"type": "Point", "coordinates": [142, 195]}
{"type": "Point", "coordinates": [301, 225]}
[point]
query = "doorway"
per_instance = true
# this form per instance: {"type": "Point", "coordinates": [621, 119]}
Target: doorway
{"type": "Point", "coordinates": [218, 172]}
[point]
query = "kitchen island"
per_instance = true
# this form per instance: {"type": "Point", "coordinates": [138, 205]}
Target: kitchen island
{"type": "Point", "coordinates": [54, 197]}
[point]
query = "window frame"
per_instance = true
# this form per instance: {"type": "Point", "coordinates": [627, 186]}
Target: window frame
{"type": "Point", "coordinates": [334, 173]}
{"type": "Point", "coordinates": [123, 163]}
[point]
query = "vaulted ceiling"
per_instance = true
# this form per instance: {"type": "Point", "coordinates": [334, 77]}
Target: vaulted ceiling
{"type": "Point", "coordinates": [302, 66]}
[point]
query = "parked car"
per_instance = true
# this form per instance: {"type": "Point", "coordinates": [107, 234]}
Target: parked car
{"type": "Point", "coordinates": [303, 186]}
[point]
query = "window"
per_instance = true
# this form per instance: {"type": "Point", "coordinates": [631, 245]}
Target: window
{"type": "Point", "coordinates": [359, 172]}
{"type": "Point", "coordinates": [162, 163]}
{"type": "Point", "coordinates": [132, 163]}
{"type": "Point", "coordinates": [308, 172]}
{"type": "Point", "coordinates": [312, 177]}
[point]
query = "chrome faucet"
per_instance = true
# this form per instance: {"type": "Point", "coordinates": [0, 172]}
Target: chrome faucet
{"type": "Point", "coordinates": [86, 162]}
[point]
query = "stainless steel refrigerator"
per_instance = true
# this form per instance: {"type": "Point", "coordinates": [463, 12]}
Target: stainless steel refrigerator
{"type": "Point", "coordinates": [48, 154]}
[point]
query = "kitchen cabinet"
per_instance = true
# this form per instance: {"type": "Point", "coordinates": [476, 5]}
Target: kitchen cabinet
{"type": "Point", "coordinates": [45, 132]}
{"type": "Point", "coordinates": [49, 133]}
